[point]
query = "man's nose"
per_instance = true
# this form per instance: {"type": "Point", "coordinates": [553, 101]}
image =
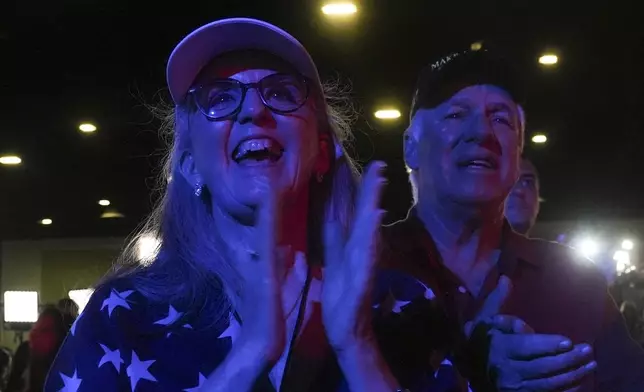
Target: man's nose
{"type": "Point", "coordinates": [479, 129]}
{"type": "Point", "coordinates": [518, 191]}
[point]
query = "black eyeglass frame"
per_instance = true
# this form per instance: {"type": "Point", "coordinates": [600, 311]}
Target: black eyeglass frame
{"type": "Point", "coordinates": [244, 89]}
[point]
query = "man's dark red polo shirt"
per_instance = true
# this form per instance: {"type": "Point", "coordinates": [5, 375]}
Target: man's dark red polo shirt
{"type": "Point", "coordinates": [555, 291]}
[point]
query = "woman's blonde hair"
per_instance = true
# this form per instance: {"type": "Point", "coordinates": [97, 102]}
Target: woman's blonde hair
{"type": "Point", "coordinates": [192, 269]}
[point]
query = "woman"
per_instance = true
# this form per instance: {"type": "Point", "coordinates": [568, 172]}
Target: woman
{"type": "Point", "coordinates": [34, 357]}
{"type": "Point", "coordinates": [259, 194]}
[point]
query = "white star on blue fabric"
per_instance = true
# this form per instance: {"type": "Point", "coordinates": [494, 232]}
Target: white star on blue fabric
{"type": "Point", "coordinates": [71, 383]}
{"type": "Point", "coordinates": [233, 329]}
{"type": "Point", "coordinates": [202, 380]}
{"type": "Point", "coordinates": [172, 316]}
{"type": "Point", "coordinates": [73, 328]}
{"type": "Point", "coordinates": [115, 300]}
{"type": "Point", "coordinates": [138, 370]}
{"type": "Point", "coordinates": [111, 356]}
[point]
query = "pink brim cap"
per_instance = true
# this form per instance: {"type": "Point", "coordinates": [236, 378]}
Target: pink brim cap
{"type": "Point", "coordinates": [196, 50]}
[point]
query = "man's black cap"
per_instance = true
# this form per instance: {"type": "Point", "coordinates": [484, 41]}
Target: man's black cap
{"type": "Point", "coordinates": [440, 80]}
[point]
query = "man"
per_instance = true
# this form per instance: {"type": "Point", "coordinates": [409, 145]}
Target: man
{"type": "Point", "coordinates": [522, 205]}
{"type": "Point", "coordinates": [549, 324]}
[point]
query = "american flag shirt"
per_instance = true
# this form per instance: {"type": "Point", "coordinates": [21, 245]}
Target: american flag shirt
{"type": "Point", "coordinates": [123, 342]}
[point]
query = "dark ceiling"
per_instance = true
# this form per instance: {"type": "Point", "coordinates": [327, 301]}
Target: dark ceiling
{"type": "Point", "coordinates": [65, 62]}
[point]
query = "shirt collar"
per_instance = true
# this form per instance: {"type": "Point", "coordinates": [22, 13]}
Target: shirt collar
{"type": "Point", "coordinates": [514, 246]}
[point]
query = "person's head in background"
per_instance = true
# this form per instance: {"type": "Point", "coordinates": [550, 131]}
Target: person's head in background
{"type": "Point", "coordinates": [45, 339]}
{"type": "Point", "coordinates": [48, 332]}
{"type": "Point", "coordinates": [522, 205]}
{"type": "Point", "coordinates": [465, 138]}
{"type": "Point", "coordinates": [68, 307]}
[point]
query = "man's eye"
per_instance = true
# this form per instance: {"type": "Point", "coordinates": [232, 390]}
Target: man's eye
{"type": "Point", "coordinates": [454, 115]}
{"type": "Point", "coordinates": [502, 120]}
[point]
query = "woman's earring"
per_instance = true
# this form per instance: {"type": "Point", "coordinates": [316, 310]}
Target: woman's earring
{"type": "Point", "coordinates": [320, 177]}
{"type": "Point", "coordinates": [198, 190]}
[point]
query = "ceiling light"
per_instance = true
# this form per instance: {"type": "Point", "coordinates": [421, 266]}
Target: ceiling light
{"type": "Point", "coordinates": [10, 160]}
{"type": "Point", "coordinates": [104, 202]}
{"type": "Point", "coordinates": [387, 114]}
{"type": "Point", "coordinates": [46, 222]}
{"type": "Point", "coordinates": [548, 59]}
{"type": "Point", "coordinates": [87, 128]}
{"type": "Point", "coordinates": [539, 138]}
{"type": "Point", "coordinates": [339, 9]}
{"type": "Point", "coordinates": [112, 215]}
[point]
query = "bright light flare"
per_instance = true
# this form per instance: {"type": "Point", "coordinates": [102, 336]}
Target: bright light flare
{"type": "Point", "coordinates": [387, 114]}
{"type": "Point", "coordinates": [104, 202]}
{"type": "Point", "coordinates": [87, 128]}
{"type": "Point", "coordinates": [10, 160]}
{"type": "Point", "coordinates": [339, 9]}
{"type": "Point", "coordinates": [46, 222]}
{"type": "Point", "coordinates": [20, 306]}
{"type": "Point", "coordinates": [548, 59]}
{"type": "Point", "coordinates": [588, 247]}
{"type": "Point", "coordinates": [622, 256]}
{"type": "Point", "coordinates": [622, 261]}
{"type": "Point", "coordinates": [627, 245]}
{"type": "Point", "coordinates": [81, 297]}
{"type": "Point", "coordinates": [147, 247]}
{"type": "Point", "coordinates": [539, 138]}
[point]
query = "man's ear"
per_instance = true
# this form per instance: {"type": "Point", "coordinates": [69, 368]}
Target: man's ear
{"type": "Point", "coordinates": [188, 169]}
{"type": "Point", "coordinates": [410, 145]}
{"type": "Point", "coordinates": [323, 161]}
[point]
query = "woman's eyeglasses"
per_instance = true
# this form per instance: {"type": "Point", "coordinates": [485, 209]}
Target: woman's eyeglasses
{"type": "Point", "coordinates": [222, 98]}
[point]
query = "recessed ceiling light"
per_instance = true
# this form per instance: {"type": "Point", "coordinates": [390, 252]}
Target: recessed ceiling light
{"type": "Point", "coordinates": [339, 9]}
{"type": "Point", "coordinates": [112, 215]}
{"type": "Point", "coordinates": [87, 128]}
{"type": "Point", "coordinates": [10, 160]}
{"type": "Point", "coordinates": [548, 59]}
{"type": "Point", "coordinates": [387, 114]}
{"type": "Point", "coordinates": [539, 138]}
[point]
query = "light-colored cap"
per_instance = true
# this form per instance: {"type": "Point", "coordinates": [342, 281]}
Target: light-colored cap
{"type": "Point", "coordinates": [196, 50]}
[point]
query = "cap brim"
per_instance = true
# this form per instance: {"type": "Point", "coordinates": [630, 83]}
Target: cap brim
{"type": "Point", "coordinates": [195, 51]}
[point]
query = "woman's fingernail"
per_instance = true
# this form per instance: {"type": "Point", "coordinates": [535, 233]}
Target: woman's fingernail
{"type": "Point", "coordinates": [591, 366]}
{"type": "Point", "coordinates": [587, 349]}
{"type": "Point", "coordinates": [566, 344]}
